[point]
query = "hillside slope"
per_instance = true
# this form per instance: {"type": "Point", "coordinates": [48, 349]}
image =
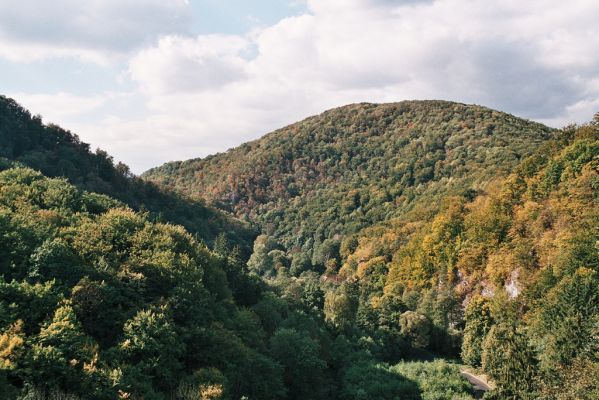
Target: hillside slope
{"type": "Point", "coordinates": [435, 228]}
{"type": "Point", "coordinates": [56, 152]}
{"type": "Point", "coordinates": [98, 301]}
{"type": "Point", "coordinates": [338, 172]}
{"type": "Point", "coordinates": [523, 256]}
{"type": "Point", "coordinates": [491, 255]}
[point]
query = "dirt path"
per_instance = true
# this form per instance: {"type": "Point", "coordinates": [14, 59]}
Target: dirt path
{"type": "Point", "coordinates": [478, 382]}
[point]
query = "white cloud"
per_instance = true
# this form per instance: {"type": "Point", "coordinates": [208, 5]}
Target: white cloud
{"type": "Point", "coordinates": [58, 107]}
{"type": "Point", "coordinates": [537, 59]}
{"type": "Point", "coordinates": [93, 30]}
{"type": "Point", "coordinates": [179, 64]}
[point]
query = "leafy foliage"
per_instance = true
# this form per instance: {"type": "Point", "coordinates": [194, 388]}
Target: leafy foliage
{"type": "Point", "coordinates": [26, 141]}
{"type": "Point", "coordinates": [437, 380]}
{"type": "Point", "coordinates": [310, 184]}
{"type": "Point", "coordinates": [98, 301]}
{"type": "Point", "coordinates": [493, 224]}
{"type": "Point", "coordinates": [389, 232]}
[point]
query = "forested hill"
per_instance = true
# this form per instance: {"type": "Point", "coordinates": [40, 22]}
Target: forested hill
{"type": "Point", "coordinates": [56, 152]}
{"type": "Point", "coordinates": [100, 302]}
{"type": "Point", "coordinates": [311, 183]}
{"type": "Point", "coordinates": [391, 233]}
{"type": "Point", "coordinates": [435, 227]}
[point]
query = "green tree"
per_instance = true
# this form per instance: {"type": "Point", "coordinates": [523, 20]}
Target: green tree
{"type": "Point", "coordinates": [312, 295]}
{"type": "Point", "coordinates": [300, 262]}
{"type": "Point", "coordinates": [54, 259]}
{"type": "Point", "coordinates": [509, 360]}
{"type": "Point", "coordinates": [60, 352]}
{"type": "Point", "coordinates": [567, 323]}
{"type": "Point", "coordinates": [341, 306]}
{"type": "Point", "coordinates": [366, 380]}
{"type": "Point", "coordinates": [304, 370]}
{"type": "Point", "coordinates": [415, 328]}
{"type": "Point", "coordinates": [262, 262]}
{"type": "Point", "coordinates": [478, 323]}
{"type": "Point", "coordinates": [437, 380]}
{"type": "Point", "coordinates": [151, 344]}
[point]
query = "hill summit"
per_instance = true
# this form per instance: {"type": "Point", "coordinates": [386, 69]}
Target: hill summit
{"type": "Point", "coordinates": [333, 174]}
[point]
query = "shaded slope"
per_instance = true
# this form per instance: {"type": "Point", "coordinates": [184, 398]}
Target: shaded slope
{"type": "Point", "coordinates": [98, 302]}
{"type": "Point", "coordinates": [56, 152]}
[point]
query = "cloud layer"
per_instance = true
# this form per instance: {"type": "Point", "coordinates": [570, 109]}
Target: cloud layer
{"type": "Point", "coordinates": [200, 94]}
{"type": "Point", "coordinates": [92, 29]}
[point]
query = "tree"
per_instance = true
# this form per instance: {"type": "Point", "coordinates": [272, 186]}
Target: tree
{"type": "Point", "coordinates": [366, 380]}
{"type": "Point", "coordinates": [271, 310]}
{"type": "Point", "coordinates": [341, 306]}
{"type": "Point", "coordinates": [60, 352]}
{"type": "Point", "coordinates": [567, 321]}
{"type": "Point", "coordinates": [65, 333]}
{"type": "Point", "coordinates": [415, 328]}
{"type": "Point", "coordinates": [261, 261]}
{"type": "Point", "coordinates": [300, 262]}
{"type": "Point", "coordinates": [478, 322]}
{"type": "Point", "coordinates": [246, 288]}
{"type": "Point", "coordinates": [203, 384]}
{"type": "Point", "coordinates": [54, 259]}
{"type": "Point", "coordinates": [437, 380]}
{"type": "Point", "coordinates": [509, 361]}
{"type": "Point", "coordinates": [304, 371]}
{"type": "Point", "coordinates": [151, 344]}
{"type": "Point", "coordinates": [312, 296]}
{"type": "Point", "coordinates": [97, 307]}
{"type": "Point", "coordinates": [325, 251]}
{"type": "Point", "coordinates": [11, 351]}
{"type": "Point", "coordinates": [221, 245]}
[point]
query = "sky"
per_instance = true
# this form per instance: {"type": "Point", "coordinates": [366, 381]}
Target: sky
{"type": "Point", "coordinates": [152, 81]}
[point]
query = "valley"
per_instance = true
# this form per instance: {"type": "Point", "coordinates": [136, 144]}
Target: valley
{"type": "Point", "coordinates": [368, 252]}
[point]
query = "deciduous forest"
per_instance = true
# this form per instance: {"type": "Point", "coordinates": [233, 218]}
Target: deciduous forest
{"type": "Point", "coordinates": [370, 252]}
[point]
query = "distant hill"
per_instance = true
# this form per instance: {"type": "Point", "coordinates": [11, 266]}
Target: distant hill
{"type": "Point", "coordinates": [348, 168]}
{"type": "Point", "coordinates": [56, 152]}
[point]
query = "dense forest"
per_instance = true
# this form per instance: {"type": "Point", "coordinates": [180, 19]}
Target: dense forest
{"type": "Point", "coordinates": [397, 243]}
{"type": "Point", "coordinates": [26, 141]}
{"type": "Point", "coordinates": [314, 182]}
{"type": "Point", "coordinates": [434, 226]}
